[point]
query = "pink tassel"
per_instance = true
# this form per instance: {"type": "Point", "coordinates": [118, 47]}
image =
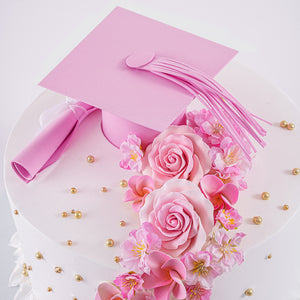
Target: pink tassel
{"type": "Point", "coordinates": [229, 112]}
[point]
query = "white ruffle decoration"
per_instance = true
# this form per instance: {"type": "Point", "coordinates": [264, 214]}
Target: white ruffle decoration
{"type": "Point", "coordinates": [17, 278]}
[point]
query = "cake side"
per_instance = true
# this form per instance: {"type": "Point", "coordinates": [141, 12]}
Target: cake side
{"type": "Point", "coordinates": [42, 202]}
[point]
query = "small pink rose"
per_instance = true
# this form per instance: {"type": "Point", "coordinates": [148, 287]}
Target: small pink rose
{"type": "Point", "coordinates": [166, 277]}
{"type": "Point", "coordinates": [139, 188]}
{"type": "Point", "coordinates": [181, 215]}
{"type": "Point", "coordinates": [176, 153]}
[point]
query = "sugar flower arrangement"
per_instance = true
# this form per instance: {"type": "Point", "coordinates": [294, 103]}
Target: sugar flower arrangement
{"type": "Point", "coordinates": [190, 180]}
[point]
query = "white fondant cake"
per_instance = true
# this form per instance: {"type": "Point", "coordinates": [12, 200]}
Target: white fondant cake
{"type": "Point", "coordinates": [43, 231]}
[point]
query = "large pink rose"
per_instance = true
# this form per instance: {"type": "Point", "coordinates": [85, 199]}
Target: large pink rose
{"type": "Point", "coordinates": [181, 214]}
{"type": "Point", "coordinates": [176, 153]}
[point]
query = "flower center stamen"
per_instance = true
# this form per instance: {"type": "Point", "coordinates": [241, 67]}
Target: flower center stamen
{"type": "Point", "coordinates": [199, 267]}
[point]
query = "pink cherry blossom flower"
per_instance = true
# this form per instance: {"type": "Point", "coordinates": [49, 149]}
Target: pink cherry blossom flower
{"type": "Point", "coordinates": [229, 162]}
{"type": "Point", "coordinates": [108, 291]}
{"type": "Point", "coordinates": [230, 219]}
{"type": "Point", "coordinates": [207, 126]}
{"type": "Point", "coordinates": [131, 153]}
{"type": "Point", "coordinates": [129, 283]}
{"type": "Point", "coordinates": [200, 267]}
{"type": "Point", "coordinates": [222, 196]}
{"type": "Point", "coordinates": [166, 277]}
{"type": "Point", "coordinates": [225, 250]}
{"type": "Point", "coordinates": [139, 188]}
{"type": "Point", "coordinates": [197, 292]}
{"type": "Point", "coordinates": [136, 248]}
{"type": "Point", "coordinates": [181, 215]}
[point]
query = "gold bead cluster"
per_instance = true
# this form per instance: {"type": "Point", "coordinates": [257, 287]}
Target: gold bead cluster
{"type": "Point", "coordinates": [77, 214]}
{"type": "Point", "coordinates": [26, 269]}
{"type": "Point", "coordinates": [285, 124]}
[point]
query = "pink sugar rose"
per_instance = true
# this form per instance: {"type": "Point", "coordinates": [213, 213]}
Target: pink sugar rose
{"type": "Point", "coordinates": [201, 267]}
{"type": "Point", "coordinates": [136, 248]}
{"type": "Point", "coordinates": [139, 188]}
{"type": "Point", "coordinates": [207, 126]}
{"type": "Point", "coordinates": [225, 250]}
{"type": "Point", "coordinates": [166, 277]}
{"type": "Point", "coordinates": [108, 291]}
{"type": "Point", "coordinates": [176, 153]}
{"type": "Point", "coordinates": [131, 153]}
{"type": "Point", "coordinates": [129, 283]}
{"type": "Point", "coordinates": [222, 196]}
{"type": "Point", "coordinates": [230, 219]}
{"type": "Point", "coordinates": [181, 215]}
{"type": "Point", "coordinates": [197, 292]}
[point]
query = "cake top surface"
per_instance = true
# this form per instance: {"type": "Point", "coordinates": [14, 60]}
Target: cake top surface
{"type": "Point", "coordinates": [95, 71]}
{"type": "Point", "coordinates": [42, 201]}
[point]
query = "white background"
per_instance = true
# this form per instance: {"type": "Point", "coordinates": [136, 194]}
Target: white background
{"type": "Point", "coordinates": [36, 35]}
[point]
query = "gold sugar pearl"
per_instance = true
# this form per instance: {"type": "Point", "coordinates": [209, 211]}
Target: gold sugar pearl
{"type": "Point", "coordinates": [122, 223]}
{"type": "Point", "coordinates": [74, 298]}
{"type": "Point", "coordinates": [58, 269]}
{"type": "Point", "coordinates": [29, 268]}
{"type": "Point", "coordinates": [291, 126]}
{"type": "Point", "coordinates": [73, 190]}
{"type": "Point", "coordinates": [285, 207]}
{"type": "Point", "coordinates": [104, 189]}
{"type": "Point", "coordinates": [24, 266]}
{"type": "Point", "coordinates": [39, 255]}
{"type": "Point", "coordinates": [25, 273]}
{"type": "Point", "coordinates": [69, 243]}
{"type": "Point", "coordinates": [78, 277]}
{"type": "Point", "coordinates": [73, 211]}
{"type": "Point", "coordinates": [257, 220]}
{"type": "Point", "coordinates": [283, 123]}
{"type": "Point", "coordinates": [90, 159]}
{"type": "Point", "coordinates": [269, 256]}
{"type": "Point", "coordinates": [123, 183]}
{"type": "Point", "coordinates": [296, 171]}
{"type": "Point", "coordinates": [117, 259]}
{"type": "Point", "coordinates": [109, 243]}
{"type": "Point", "coordinates": [64, 214]}
{"type": "Point", "coordinates": [249, 292]}
{"type": "Point", "coordinates": [78, 214]}
{"type": "Point", "coordinates": [49, 289]}
{"type": "Point", "coordinates": [16, 212]}
{"type": "Point", "coordinates": [265, 196]}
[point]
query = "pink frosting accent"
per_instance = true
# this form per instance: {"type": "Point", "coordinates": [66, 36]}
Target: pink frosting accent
{"type": "Point", "coordinates": [166, 276]}
{"type": "Point", "coordinates": [176, 153]}
{"type": "Point", "coordinates": [222, 195]}
{"type": "Point", "coordinates": [139, 188]}
{"type": "Point", "coordinates": [181, 214]}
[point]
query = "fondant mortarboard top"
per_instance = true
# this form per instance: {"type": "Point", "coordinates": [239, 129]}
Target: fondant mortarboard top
{"type": "Point", "coordinates": [142, 74]}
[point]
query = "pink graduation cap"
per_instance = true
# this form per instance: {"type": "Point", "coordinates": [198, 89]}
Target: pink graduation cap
{"type": "Point", "coordinates": [142, 74]}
